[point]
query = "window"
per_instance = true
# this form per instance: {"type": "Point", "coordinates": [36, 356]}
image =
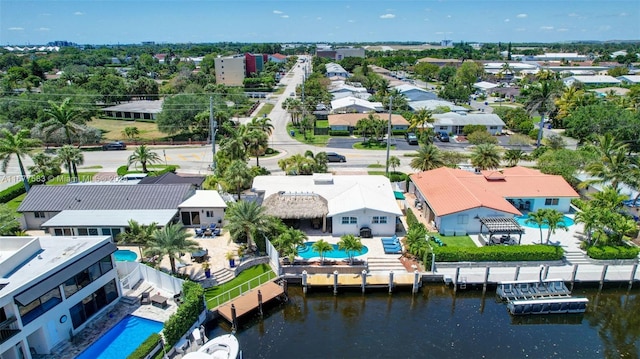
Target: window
{"type": "Point", "coordinates": [551, 202]}
{"type": "Point", "coordinates": [87, 276]}
{"type": "Point", "coordinates": [40, 306]}
{"type": "Point", "coordinates": [349, 220]}
{"type": "Point", "coordinates": [83, 232]}
{"type": "Point", "coordinates": [39, 214]}
{"type": "Point", "coordinates": [93, 303]}
{"type": "Point", "coordinates": [209, 214]}
{"type": "Point", "coordinates": [379, 219]}
{"type": "Point", "coordinates": [463, 219]}
{"type": "Point", "coordinates": [493, 127]}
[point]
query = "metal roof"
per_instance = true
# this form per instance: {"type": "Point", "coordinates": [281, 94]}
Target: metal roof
{"type": "Point", "coordinates": [110, 218]}
{"type": "Point", "coordinates": [45, 198]}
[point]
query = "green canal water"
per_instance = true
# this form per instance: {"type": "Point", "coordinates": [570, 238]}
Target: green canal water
{"type": "Point", "coordinates": [437, 323]}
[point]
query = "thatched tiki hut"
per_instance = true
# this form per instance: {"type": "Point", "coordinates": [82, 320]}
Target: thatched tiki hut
{"type": "Point", "coordinates": [298, 205]}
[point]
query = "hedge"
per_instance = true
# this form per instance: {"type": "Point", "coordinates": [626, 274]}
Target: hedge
{"type": "Point", "coordinates": [187, 313]}
{"type": "Point", "coordinates": [17, 189]}
{"type": "Point", "coordinates": [536, 252]}
{"type": "Point", "coordinates": [339, 133]}
{"type": "Point", "coordinates": [411, 219]}
{"type": "Point", "coordinates": [123, 170]}
{"type": "Point", "coordinates": [398, 177]}
{"type": "Point", "coordinates": [613, 252]}
{"type": "Point", "coordinates": [146, 347]}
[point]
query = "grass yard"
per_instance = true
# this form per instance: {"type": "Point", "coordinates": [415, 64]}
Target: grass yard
{"type": "Point", "coordinates": [454, 241]}
{"type": "Point", "coordinates": [248, 276]}
{"type": "Point", "coordinates": [320, 140]}
{"type": "Point", "coordinates": [265, 110]}
{"type": "Point", "coordinates": [15, 203]}
{"type": "Point", "coordinates": [112, 129]}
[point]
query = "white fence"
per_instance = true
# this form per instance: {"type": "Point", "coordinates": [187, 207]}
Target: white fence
{"type": "Point", "coordinates": [130, 273]}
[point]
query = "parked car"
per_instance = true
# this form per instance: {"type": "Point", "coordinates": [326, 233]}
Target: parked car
{"type": "Point", "coordinates": [411, 137]}
{"type": "Point", "coordinates": [443, 136]}
{"type": "Point", "coordinates": [292, 94]}
{"type": "Point", "coordinates": [117, 145]}
{"type": "Point", "coordinates": [334, 157]}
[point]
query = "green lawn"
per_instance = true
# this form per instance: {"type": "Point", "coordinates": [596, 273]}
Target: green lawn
{"type": "Point", "coordinates": [248, 276]}
{"type": "Point", "coordinates": [454, 241]}
{"type": "Point", "coordinates": [265, 110]}
{"type": "Point", "coordinates": [15, 203]}
{"type": "Point", "coordinates": [320, 140]}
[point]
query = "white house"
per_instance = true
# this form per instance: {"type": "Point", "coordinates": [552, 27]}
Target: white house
{"type": "Point", "coordinates": [485, 86]}
{"type": "Point", "coordinates": [343, 90]}
{"type": "Point", "coordinates": [591, 80]}
{"type": "Point", "coordinates": [455, 200]}
{"type": "Point", "coordinates": [454, 122]}
{"type": "Point", "coordinates": [203, 208]}
{"type": "Point", "coordinates": [339, 204]}
{"type": "Point", "coordinates": [630, 79]}
{"type": "Point", "coordinates": [415, 93]}
{"type": "Point", "coordinates": [355, 105]}
{"type": "Point", "coordinates": [51, 288]}
{"type": "Point", "coordinates": [433, 105]}
{"type": "Point", "coordinates": [334, 69]}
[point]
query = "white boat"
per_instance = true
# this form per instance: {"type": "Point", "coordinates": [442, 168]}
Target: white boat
{"type": "Point", "coordinates": [222, 347]}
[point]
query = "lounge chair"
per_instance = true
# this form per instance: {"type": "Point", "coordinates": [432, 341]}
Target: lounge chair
{"type": "Point", "coordinates": [212, 226]}
{"type": "Point", "coordinates": [394, 250]}
{"type": "Point", "coordinates": [145, 298]}
{"type": "Point", "coordinates": [199, 232]}
{"type": "Point", "coordinates": [391, 240]}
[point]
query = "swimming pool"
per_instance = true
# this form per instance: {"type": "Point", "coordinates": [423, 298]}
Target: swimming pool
{"type": "Point", "coordinates": [125, 255]}
{"type": "Point", "coordinates": [307, 252]}
{"type": "Point", "coordinates": [123, 339]}
{"type": "Point", "coordinates": [522, 220]}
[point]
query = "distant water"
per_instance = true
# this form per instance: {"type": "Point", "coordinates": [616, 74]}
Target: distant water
{"type": "Point", "coordinates": [436, 323]}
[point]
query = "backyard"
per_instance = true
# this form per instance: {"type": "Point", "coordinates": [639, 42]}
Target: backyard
{"type": "Point", "coordinates": [247, 279]}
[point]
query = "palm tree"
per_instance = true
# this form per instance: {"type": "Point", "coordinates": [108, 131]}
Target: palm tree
{"type": "Point", "coordinates": [237, 176]}
{"type": "Point", "coordinates": [246, 219]}
{"type": "Point", "coordinates": [322, 247]}
{"type": "Point", "coordinates": [394, 162]}
{"type": "Point", "coordinates": [538, 218]}
{"type": "Point", "coordinates": [589, 216]}
{"type": "Point", "coordinates": [70, 157]}
{"type": "Point", "coordinates": [513, 156]}
{"type": "Point", "coordinates": [143, 155]}
{"type": "Point", "coordinates": [612, 164]}
{"type": "Point", "coordinates": [170, 241]}
{"type": "Point", "coordinates": [263, 124]}
{"type": "Point", "coordinates": [256, 142]}
{"type": "Point", "coordinates": [63, 116]}
{"type": "Point", "coordinates": [287, 242]}
{"type": "Point", "coordinates": [485, 156]}
{"type": "Point", "coordinates": [568, 101]}
{"type": "Point", "coordinates": [555, 220]}
{"type": "Point", "coordinates": [44, 165]}
{"type": "Point", "coordinates": [19, 145]}
{"type": "Point", "coordinates": [296, 165]}
{"type": "Point", "coordinates": [350, 244]}
{"type": "Point", "coordinates": [131, 132]}
{"type": "Point", "coordinates": [540, 97]}
{"type": "Point", "coordinates": [429, 157]}
{"type": "Point", "coordinates": [138, 235]}
{"type": "Point", "coordinates": [319, 161]}
{"type": "Point", "coordinates": [420, 118]}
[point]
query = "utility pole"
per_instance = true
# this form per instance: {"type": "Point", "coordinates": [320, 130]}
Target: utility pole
{"type": "Point", "coordinates": [389, 134]}
{"type": "Point", "coordinates": [214, 126]}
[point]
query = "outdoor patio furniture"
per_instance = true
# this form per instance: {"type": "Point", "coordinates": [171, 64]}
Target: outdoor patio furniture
{"type": "Point", "coordinates": [212, 226]}
{"type": "Point", "coordinates": [159, 301]}
{"type": "Point", "coordinates": [199, 255]}
{"type": "Point", "coordinates": [199, 232]}
{"type": "Point", "coordinates": [208, 232]}
{"type": "Point", "coordinates": [144, 298]}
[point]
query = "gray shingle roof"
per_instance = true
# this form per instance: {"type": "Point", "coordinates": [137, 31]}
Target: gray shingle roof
{"type": "Point", "coordinates": [104, 197]}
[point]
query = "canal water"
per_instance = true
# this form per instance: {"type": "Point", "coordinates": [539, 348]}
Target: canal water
{"type": "Point", "coordinates": [437, 323]}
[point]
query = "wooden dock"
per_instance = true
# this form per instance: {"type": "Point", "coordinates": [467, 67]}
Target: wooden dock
{"type": "Point", "coordinates": [355, 280]}
{"type": "Point", "coordinates": [248, 302]}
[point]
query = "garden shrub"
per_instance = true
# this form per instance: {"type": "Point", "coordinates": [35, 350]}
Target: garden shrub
{"type": "Point", "coordinates": [170, 168]}
{"type": "Point", "coordinates": [398, 177]}
{"type": "Point", "coordinates": [17, 189]}
{"type": "Point", "coordinates": [146, 347]}
{"type": "Point", "coordinates": [122, 170]}
{"type": "Point", "coordinates": [613, 252]}
{"type": "Point", "coordinates": [534, 252]}
{"type": "Point", "coordinates": [411, 219]}
{"type": "Point", "coordinates": [187, 313]}
{"type": "Point", "coordinates": [339, 133]}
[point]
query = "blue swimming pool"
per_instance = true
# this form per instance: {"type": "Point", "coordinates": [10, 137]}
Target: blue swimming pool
{"type": "Point", "coordinates": [307, 252]}
{"type": "Point", "coordinates": [124, 255]}
{"type": "Point", "coordinates": [522, 220]}
{"type": "Point", "coordinates": [123, 339]}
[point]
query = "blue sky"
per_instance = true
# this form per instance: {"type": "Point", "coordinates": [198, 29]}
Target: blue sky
{"type": "Point", "coordinates": [172, 21]}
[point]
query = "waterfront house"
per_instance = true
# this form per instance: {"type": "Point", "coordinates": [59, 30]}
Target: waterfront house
{"type": "Point", "coordinates": [337, 204]}
{"type": "Point", "coordinates": [105, 209]}
{"type": "Point", "coordinates": [51, 288]}
{"type": "Point", "coordinates": [203, 208]}
{"type": "Point", "coordinates": [454, 200]}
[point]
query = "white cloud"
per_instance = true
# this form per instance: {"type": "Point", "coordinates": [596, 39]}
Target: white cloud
{"type": "Point", "coordinates": [285, 16]}
{"type": "Point", "coordinates": [277, 12]}
{"type": "Point", "coordinates": [387, 16]}
{"type": "Point", "coordinates": [521, 16]}
{"type": "Point", "coordinates": [351, 21]}
{"type": "Point", "coordinates": [44, 29]}
{"type": "Point", "coordinates": [78, 13]}
{"type": "Point", "coordinates": [546, 28]}
{"type": "Point", "coordinates": [16, 28]}
{"type": "Point", "coordinates": [573, 14]}
{"type": "Point", "coordinates": [506, 20]}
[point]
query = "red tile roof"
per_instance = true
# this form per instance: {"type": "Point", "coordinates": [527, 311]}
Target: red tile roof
{"type": "Point", "coordinates": [448, 190]}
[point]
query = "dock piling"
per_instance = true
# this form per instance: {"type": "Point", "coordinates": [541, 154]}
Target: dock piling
{"type": "Point", "coordinates": [364, 279]}
{"type": "Point", "coordinates": [390, 281]}
{"type": "Point", "coordinates": [546, 271]}
{"type": "Point", "coordinates": [515, 276]}
{"type": "Point", "coordinates": [234, 319]}
{"type": "Point", "coordinates": [416, 281]}
{"type": "Point", "coordinates": [260, 302]}
{"type": "Point", "coordinates": [455, 279]}
{"type": "Point", "coordinates": [603, 276]}
{"type": "Point", "coordinates": [486, 278]}
{"type": "Point", "coordinates": [304, 281]}
{"type": "Point", "coordinates": [335, 282]}
{"type": "Point", "coordinates": [573, 275]}
{"type": "Point", "coordinates": [633, 275]}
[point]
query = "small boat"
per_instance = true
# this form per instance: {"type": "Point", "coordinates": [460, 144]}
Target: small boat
{"type": "Point", "coordinates": [569, 305]}
{"type": "Point", "coordinates": [222, 347]}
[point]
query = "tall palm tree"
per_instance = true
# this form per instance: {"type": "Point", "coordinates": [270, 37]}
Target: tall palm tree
{"type": "Point", "coordinates": [170, 241]}
{"type": "Point", "coordinates": [19, 145]}
{"type": "Point", "coordinates": [246, 219]}
{"type": "Point", "coordinates": [138, 235]}
{"type": "Point", "coordinates": [589, 216]}
{"type": "Point", "coordinates": [554, 219]}
{"type": "Point", "coordinates": [44, 165]}
{"type": "Point", "coordinates": [237, 176]}
{"type": "Point", "coordinates": [350, 244]}
{"type": "Point", "coordinates": [143, 155]}
{"type": "Point", "coordinates": [429, 157]}
{"type": "Point", "coordinates": [256, 142]}
{"type": "Point", "coordinates": [394, 162]}
{"type": "Point", "coordinates": [263, 124]}
{"type": "Point", "coordinates": [612, 165]}
{"type": "Point", "coordinates": [420, 118]}
{"type": "Point", "coordinates": [63, 116]}
{"type": "Point", "coordinates": [486, 156]}
{"type": "Point", "coordinates": [568, 101]}
{"type": "Point", "coordinates": [233, 146]}
{"type": "Point", "coordinates": [320, 161]}
{"type": "Point", "coordinates": [322, 247]}
{"type": "Point", "coordinates": [540, 97]}
{"type": "Point", "coordinates": [287, 242]}
{"type": "Point", "coordinates": [513, 156]}
{"type": "Point", "coordinates": [297, 165]}
{"type": "Point", "coordinates": [537, 218]}
{"type": "Point", "coordinates": [70, 157]}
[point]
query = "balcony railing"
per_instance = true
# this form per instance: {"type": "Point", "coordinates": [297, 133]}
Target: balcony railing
{"type": "Point", "coordinates": [8, 328]}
